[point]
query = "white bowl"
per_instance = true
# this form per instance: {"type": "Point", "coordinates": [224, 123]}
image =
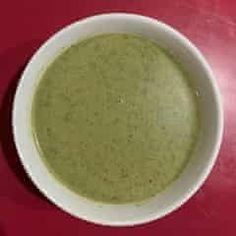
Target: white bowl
{"type": "Point", "coordinates": [202, 160]}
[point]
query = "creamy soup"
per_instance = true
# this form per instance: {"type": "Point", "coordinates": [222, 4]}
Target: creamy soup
{"type": "Point", "coordinates": [115, 118]}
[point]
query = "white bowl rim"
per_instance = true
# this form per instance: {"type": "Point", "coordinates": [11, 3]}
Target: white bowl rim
{"type": "Point", "coordinates": [220, 121]}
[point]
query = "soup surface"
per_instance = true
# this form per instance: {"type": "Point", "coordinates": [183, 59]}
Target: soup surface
{"type": "Point", "coordinates": [114, 118]}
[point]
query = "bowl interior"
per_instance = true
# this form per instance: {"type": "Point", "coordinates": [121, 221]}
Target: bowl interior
{"type": "Point", "coordinates": [201, 161]}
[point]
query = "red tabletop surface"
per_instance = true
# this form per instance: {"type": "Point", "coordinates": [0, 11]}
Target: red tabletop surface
{"type": "Point", "coordinates": [26, 24]}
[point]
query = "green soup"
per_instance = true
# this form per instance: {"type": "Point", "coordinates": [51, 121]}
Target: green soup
{"type": "Point", "coordinates": [114, 118]}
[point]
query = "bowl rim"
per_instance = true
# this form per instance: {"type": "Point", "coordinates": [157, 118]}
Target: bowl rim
{"type": "Point", "coordinates": [220, 119]}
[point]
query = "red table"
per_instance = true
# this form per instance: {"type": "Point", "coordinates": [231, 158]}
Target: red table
{"type": "Point", "coordinates": [25, 24]}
